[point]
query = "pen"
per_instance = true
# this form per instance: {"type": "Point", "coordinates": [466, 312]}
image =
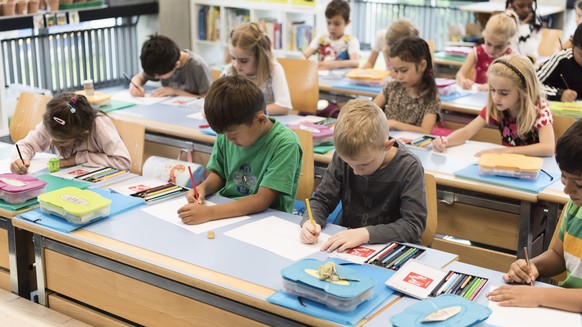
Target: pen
{"type": "Point", "coordinates": [309, 211]}
{"type": "Point", "coordinates": [193, 184]}
{"type": "Point", "coordinates": [130, 81]}
{"type": "Point", "coordinates": [561, 46]}
{"type": "Point", "coordinates": [204, 126]}
{"type": "Point", "coordinates": [19, 154]}
{"type": "Point", "coordinates": [565, 83]}
{"type": "Point", "coordinates": [527, 262]}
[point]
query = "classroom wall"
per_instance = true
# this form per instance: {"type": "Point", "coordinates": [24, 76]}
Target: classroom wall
{"type": "Point", "coordinates": [175, 21]}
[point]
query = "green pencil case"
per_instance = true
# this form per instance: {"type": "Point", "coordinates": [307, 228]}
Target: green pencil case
{"type": "Point", "coordinates": [75, 205]}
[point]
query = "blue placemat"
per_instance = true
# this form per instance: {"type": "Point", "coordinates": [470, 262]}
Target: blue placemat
{"type": "Point", "coordinates": [544, 179]}
{"type": "Point", "coordinates": [356, 87]}
{"type": "Point", "coordinates": [454, 96]}
{"type": "Point", "coordinates": [381, 293]}
{"type": "Point", "coordinates": [119, 203]}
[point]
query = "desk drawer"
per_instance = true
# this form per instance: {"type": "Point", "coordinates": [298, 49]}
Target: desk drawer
{"type": "Point", "coordinates": [4, 262]}
{"type": "Point", "coordinates": [5, 279]}
{"type": "Point", "coordinates": [82, 313]}
{"type": "Point", "coordinates": [478, 224]}
{"type": "Point", "coordinates": [129, 298]}
{"type": "Point", "coordinates": [475, 255]}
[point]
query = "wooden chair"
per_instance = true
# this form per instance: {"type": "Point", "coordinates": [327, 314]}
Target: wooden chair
{"type": "Point", "coordinates": [133, 136]}
{"type": "Point", "coordinates": [27, 114]}
{"type": "Point", "coordinates": [303, 83]}
{"type": "Point", "coordinates": [306, 179]}
{"type": "Point", "coordinates": [550, 41]}
{"type": "Point", "coordinates": [215, 73]}
{"type": "Point", "coordinates": [431, 206]}
{"type": "Point", "coordinates": [561, 124]}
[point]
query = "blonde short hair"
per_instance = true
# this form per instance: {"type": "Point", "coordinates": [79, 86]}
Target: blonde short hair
{"type": "Point", "coordinates": [520, 71]}
{"type": "Point", "coordinates": [360, 127]}
{"type": "Point", "coordinates": [398, 30]}
{"type": "Point", "coordinates": [501, 26]}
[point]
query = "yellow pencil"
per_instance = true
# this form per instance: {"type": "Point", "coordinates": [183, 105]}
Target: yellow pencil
{"type": "Point", "coordinates": [309, 211]}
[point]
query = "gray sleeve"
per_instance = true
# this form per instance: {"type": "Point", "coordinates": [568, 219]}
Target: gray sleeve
{"type": "Point", "coordinates": [410, 226]}
{"type": "Point", "coordinates": [201, 77]}
{"type": "Point", "coordinates": [327, 194]}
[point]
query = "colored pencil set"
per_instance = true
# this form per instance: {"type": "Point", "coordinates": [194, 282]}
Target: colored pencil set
{"type": "Point", "coordinates": [161, 192]}
{"type": "Point", "coordinates": [102, 174]}
{"type": "Point", "coordinates": [394, 255]}
{"type": "Point", "coordinates": [466, 286]}
{"type": "Point", "coordinates": [423, 142]}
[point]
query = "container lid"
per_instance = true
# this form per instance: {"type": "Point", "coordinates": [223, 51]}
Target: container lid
{"type": "Point", "coordinates": [74, 200]}
{"type": "Point", "coordinates": [510, 161]}
{"type": "Point", "coordinates": [368, 73]}
{"type": "Point", "coordinates": [98, 98]}
{"type": "Point", "coordinates": [299, 272]}
{"type": "Point", "coordinates": [14, 183]}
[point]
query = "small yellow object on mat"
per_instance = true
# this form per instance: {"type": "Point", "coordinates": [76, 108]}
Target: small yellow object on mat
{"type": "Point", "coordinates": [210, 235]}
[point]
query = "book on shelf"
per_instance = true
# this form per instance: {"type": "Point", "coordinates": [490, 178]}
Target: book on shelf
{"type": "Point", "coordinates": [272, 28]}
{"type": "Point", "coordinates": [300, 36]}
{"type": "Point", "coordinates": [208, 23]}
{"type": "Point", "coordinates": [235, 17]}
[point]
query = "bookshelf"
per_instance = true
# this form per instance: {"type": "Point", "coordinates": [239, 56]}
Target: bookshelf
{"type": "Point", "coordinates": [289, 23]}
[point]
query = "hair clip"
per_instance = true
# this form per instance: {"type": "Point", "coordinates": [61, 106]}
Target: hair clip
{"type": "Point", "coordinates": [70, 105]}
{"type": "Point", "coordinates": [59, 121]}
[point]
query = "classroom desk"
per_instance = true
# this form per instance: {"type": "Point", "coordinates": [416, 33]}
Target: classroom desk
{"type": "Point", "coordinates": [495, 279]}
{"type": "Point", "coordinates": [441, 58]}
{"type": "Point", "coordinates": [147, 271]}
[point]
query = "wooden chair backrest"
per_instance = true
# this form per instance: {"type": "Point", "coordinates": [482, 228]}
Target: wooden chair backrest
{"type": "Point", "coordinates": [27, 114]}
{"type": "Point", "coordinates": [431, 206]}
{"type": "Point", "coordinates": [133, 136]}
{"type": "Point", "coordinates": [303, 83]}
{"type": "Point", "coordinates": [306, 180]}
{"type": "Point", "coordinates": [550, 41]}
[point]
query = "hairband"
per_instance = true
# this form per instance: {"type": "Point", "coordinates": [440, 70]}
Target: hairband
{"type": "Point", "coordinates": [512, 67]}
{"type": "Point", "coordinates": [70, 105]}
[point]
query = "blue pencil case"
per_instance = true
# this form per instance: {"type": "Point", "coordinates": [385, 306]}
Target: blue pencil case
{"type": "Point", "coordinates": [471, 313]}
{"type": "Point", "coordinates": [300, 279]}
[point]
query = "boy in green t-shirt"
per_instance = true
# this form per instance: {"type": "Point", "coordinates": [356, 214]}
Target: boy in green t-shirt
{"type": "Point", "coordinates": [255, 159]}
{"type": "Point", "coordinates": [565, 254]}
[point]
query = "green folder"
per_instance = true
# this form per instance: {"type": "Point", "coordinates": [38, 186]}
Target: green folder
{"type": "Point", "coordinates": [116, 105]}
{"type": "Point", "coordinates": [323, 148]}
{"type": "Point", "coordinates": [55, 183]}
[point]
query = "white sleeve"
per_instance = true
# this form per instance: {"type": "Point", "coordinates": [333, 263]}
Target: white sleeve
{"type": "Point", "coordinates": [380, 41]}
{"type": "Point", "coordinates": [226, 71]}
{"type": "Point", "coordinates": [314, 43]}
{"type": "Point", "coordinates": [280, 87]}
{"type": "Point", "coordinates": [353, 46]}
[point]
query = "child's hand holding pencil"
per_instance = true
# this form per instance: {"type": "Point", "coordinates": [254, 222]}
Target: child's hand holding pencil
{"type": "Point", "coordinates": [310, 230]}
{"type": "Point", "coordinates": [439, 144]}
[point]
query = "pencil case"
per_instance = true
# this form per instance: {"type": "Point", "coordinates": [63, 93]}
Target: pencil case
{"type": "Point", "coordinates": [368, 76]}
{"type": "Point", "coordinates": [299, 280]}
{"type": "Point", "coordinates": [75, 205]}
{"type": "Point", "coordinates": [510, 165]}
{"type": "Point", "coordinates": [16, 188]}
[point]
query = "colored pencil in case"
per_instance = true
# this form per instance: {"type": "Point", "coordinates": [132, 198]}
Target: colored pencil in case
{"type": "Point", "coordinates": [377, 255]}
{"type": "Point", "coordinates": [469, 286]}
{"type": "Point", "coordinates": [465, 283]}
{"type": "Point", "coordinates": [398, 258]}
{"type": "Point", "coordinates": [457, 286]}
{"type": "Point", "coordinates": [162, 191]}
{"type": "Point", "coordinates": [454, 282]}
{"type": "Point", "coordinates": [440, 284]}
{"type": "Point", "coordinates": [473, 288]}
{"type": "Point", "coordinates": [392, 255]}
{"type": "Point", "coordinates": [448, 284]}
{"type": "Point", "coordinates": [153, 189]}
{"type": "Point", "coordinates": [402, 261]}
{"type": "Point", "coordinates": [99, 174]}
{"type": "Point", "coordinates": [83, 176]}
{"type": "Point", "coordinates": [389, 254]}
{"type": "Point", "coordinates": [384, 253]}
{"type": "Point", "coordinates": [478, 289]}
{"type": "Point", "coordinates": [109, 176]}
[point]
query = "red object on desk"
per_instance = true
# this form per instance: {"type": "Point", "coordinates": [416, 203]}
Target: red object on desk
{"type": "Point", "coordinates": [193, 184]}
{"type": "Point", "coordinates": [203, 126]}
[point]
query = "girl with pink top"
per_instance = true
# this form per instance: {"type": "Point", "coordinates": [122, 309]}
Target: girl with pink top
{"type": "Point", "coordinates": [73, 129]}
{"type": "Point", "coordinates": [498, 34]}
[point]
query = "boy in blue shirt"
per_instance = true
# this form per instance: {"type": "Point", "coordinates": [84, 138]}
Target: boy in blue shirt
{"type": "Point", "coordinates": [336, 49]}
{"type": "Point", "coordinates": [255, 159]}
{"type": "Point", "coordinates": [379, 182]}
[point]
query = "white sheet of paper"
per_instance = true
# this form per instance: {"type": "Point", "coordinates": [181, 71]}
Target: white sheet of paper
{"type": "Point", "coordinates": [147, 100]}
{"type": "Point", "coordinates": [531, 317]}
{"type": "Point", "coordinates": [468, 150]}
{"type": "Point", "coordinates": [278, 236]}
{"type": "Point", "coordinates": [197, 115]}
{"type": "Point", "coordinates": [3, 145]}
{"type": "Point", "coordinates": [38, 163]}
{"type": "Point", "coordinates": [168, 211]}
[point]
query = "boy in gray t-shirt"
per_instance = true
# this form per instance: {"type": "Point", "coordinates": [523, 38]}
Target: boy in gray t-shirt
{"type": "Point", "coordinates": [379, 182]}
{"type": "Point", "coordinates": [180, 72]}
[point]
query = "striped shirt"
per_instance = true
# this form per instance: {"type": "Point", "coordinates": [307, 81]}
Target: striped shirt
{"type": "Point", "coordinates": [551, 71]}
{"type": "Point", "coordinates": [571, 236]}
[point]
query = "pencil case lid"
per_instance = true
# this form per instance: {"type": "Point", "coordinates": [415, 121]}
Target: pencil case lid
{"type": "Point", "coordinates": [368, 74]}
{"type": "Point", "coordinates": [70, 202]}
{"type": "Point", "coordinates": [14, 183]}
{"type": "Point", "coordinates": [510, 161]}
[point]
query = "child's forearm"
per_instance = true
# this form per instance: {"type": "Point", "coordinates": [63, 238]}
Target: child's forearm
{"type": "Point", "coordinates": [534, 150]}
{"type": "Point", "coordinates": [251, 204]}
{"type": "Point", "coordinates": [561, 298]}
{"type": "Point", "coordinates": [352, 63]}
{"type": "Point", "coordinates": [212, 184]}
{"type": "Point", "coordinates": [398, 125]}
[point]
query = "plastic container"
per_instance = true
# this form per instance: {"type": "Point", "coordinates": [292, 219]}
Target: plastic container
{"type": "Point", "coordinates": [97, 99]}
{"type": "Point", "coordinates": [297, 282]}
{"type": "Point", "coordinates": [510, 165]}
{"type": "Point", "coordinates": [16, 188]}
{"type": "Point", "coordinates": [321, 134]}
{"type": "Point", "coordinates": [75, 205]}
{"type": "Point", "coordinates": [446, 86]}
{"type": "Point", "coordinates": [368, 76]}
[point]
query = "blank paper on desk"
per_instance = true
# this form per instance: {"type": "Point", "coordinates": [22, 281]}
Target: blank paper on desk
{"type": "Point", "coordinates": [278, 236]}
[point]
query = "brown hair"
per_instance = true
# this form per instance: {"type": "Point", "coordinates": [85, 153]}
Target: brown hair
{"type": "Point", "coordinates": [69, 115]}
